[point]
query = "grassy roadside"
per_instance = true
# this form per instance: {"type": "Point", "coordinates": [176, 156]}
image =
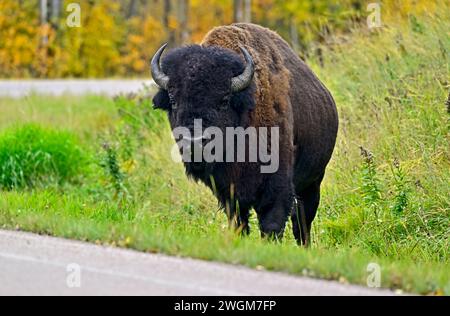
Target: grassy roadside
{"type": "Point", "coordinates": [205, 236]}
{"type": "Point", "coordinates": [386, 198]}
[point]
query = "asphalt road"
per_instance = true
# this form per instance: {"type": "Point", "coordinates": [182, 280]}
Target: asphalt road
{"type": "Point", "coordinates": [21, 88]}
{"type": "Point", "coordinates": [36, 265]}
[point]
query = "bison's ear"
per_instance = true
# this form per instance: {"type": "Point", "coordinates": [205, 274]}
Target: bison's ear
{"type": "Point", "coordinates": [161, 100]}
{"type": "Point", "coordinates": [243, 101]}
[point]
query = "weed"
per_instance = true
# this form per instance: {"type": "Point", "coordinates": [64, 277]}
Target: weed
{"type": "Point", "coordinates": [370, 187]}
{"type": "Point", "coordinates": [401, 191]}
{"type": "Point", "coordinates": [111, 165]}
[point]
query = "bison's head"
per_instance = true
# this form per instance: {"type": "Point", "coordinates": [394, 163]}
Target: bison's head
{"type": "Point", "coordinates": [208, 83]}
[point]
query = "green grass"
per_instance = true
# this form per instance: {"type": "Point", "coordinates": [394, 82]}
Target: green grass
{"type": "Point", "coordinates": [385, 200]}
{"type": "Point", "coordinates": [85, 116]}
{"type": "Point", "coordinates": [31, 154]}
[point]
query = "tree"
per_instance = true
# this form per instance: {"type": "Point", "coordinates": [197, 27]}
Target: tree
{"type": "Point", "coordinates": [132, 8]}
{"type": "Point", "coordinates": [118, 37]}
{"type": "Point", "coordinates": [19, 26]}
{"type": "Point", "coordinates": [170, 31]}
{"type": "Point", "coordinates": [43, 5]}
{"type": "Point", "coordinates": [183, 18]}
{"type": "Point", "coordinates": [56, 12]}
{"type": "Point", "coordinates": [294, 35]}
{"type": "Point", "coordinates": [238, 13]}
{"type": "Point", "coordinates": [248, 11]}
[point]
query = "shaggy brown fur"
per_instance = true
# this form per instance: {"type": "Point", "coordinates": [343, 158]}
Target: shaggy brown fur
{"type": "Point", "coordinates": [280, 72]}
{"type": "Point", "coordinates": [286, 94]}
{"type": "Point", "coordinates": [272, 78]}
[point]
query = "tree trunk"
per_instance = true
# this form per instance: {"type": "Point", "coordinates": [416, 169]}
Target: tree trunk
{"type": "Point", "coordinates": [238, 15]}
{"type": "Point", "coordinates": [132, 9]}
{"type": "Point", "coordinates": [55, 13]}
{"type": "Point", "coordinates": [248, 11]}
{"type": "Point", "coordinates": [43, 4]}
{"type": "Point", "coordinates": [44, 11]}
{"type": "Point", "coordinates": [294, 35]}
{"type": "Point", "coordinates": [183, 18]}
{"type": "Point", "coordinates": [166, 22]}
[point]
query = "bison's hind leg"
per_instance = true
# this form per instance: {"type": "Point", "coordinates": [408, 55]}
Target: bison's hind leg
{"type": "Point", "coordinates": [304, 213]}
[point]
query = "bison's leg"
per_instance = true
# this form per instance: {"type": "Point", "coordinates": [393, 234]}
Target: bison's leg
{"type": "Point", "coordinates": [299, 223]}
{"type": "Point", "coordinates": [241, 222]}
{"type": "Point", "coordinates": [238, 218]}
{"type": "Point", "coordinates": [301, 226]}
{"type": "Point", "coordinates": [273, 216]}
{"type": "Point", "coordinates": [244, 226]}
{"type": "Point", "coordinates": [305, 212]}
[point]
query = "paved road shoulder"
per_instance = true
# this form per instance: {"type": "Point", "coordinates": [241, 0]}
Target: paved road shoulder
{"type": "Point", "coordinates": [23, 88]}
{"type": "Point", "coordinates": [36, 265]}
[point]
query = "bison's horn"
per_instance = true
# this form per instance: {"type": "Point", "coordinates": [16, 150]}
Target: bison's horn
{"type": "Point", "coordinates": [244, 80]}
{"type": "Point", "coordinates": [161, 79]}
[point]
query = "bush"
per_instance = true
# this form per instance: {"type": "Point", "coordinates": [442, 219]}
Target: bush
{"type": "Point", "coordinates": [32, 155]}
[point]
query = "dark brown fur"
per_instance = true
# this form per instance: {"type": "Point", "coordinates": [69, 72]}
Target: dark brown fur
{"type": "Point", "coordinates": [286, 94]}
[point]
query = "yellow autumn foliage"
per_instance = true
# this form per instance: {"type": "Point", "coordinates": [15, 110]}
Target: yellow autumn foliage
{"type": "Point", "coordinates": [110, 42]}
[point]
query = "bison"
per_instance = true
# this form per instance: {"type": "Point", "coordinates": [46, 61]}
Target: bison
{"type": "Point", "coordinates": [244, 75]}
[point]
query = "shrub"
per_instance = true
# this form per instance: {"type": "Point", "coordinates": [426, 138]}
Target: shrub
{"type": "Point", "coordinates": [32, 155]}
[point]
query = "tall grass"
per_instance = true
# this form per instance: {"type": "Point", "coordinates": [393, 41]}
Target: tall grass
{"type": "Point", "coordinates": [30, 155]}
{"type": "Point", "coordinates": [391, 88]}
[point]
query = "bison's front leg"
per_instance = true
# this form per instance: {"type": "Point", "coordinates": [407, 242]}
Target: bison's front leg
{"type": "Point", "coordinates": [238, 213]}
{"type": "Point", "coordinates": [238, 219]}
{"type": "Point", "coordinates": [274, 211]}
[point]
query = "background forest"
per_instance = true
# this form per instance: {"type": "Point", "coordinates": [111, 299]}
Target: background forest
{"type": "Point", "coordinates": [116, 38]}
